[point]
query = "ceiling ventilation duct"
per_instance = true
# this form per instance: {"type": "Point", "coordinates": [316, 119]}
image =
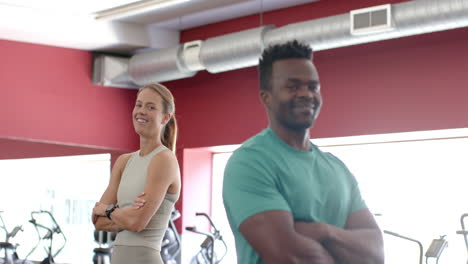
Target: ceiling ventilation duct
{"type": "Point", "coordinates": [328, 32]}
{"type": "Point", "coordinates": [408, 18]}
{"type": "Point", "coordinates": [233, 51]}
{"type": "Point", "coordinates": [242, 49]}
{"type": "Point", "coordinates": [111, 71]}
{"type": "Point", "coordinates": [158, 66]}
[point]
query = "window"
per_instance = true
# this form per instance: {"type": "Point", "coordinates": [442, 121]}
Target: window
{"type": "Point", "coordinates": [416, 181]}
{"type": "Point", "coordinates": [217, 207]}
{"type": "Point", "coordinates": [68, 187]}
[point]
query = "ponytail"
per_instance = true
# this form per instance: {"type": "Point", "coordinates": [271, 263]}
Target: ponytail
{"type": "Point", "coordinates": [169, 135]}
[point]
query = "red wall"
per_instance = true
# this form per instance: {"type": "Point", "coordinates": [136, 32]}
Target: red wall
{"type": "Point", "coordinates": [47, 95]}
{"type": "Point", "coordinates": [407, 84]}
{"type": "Point", "coordinates": [196, 175]}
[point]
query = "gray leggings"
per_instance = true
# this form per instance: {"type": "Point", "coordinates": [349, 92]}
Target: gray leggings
{"type": "Point", "coordinates": [135, 255]}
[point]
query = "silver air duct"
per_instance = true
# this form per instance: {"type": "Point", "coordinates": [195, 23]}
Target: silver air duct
{"type": "Point", "coordinates": [233, 51]}
{"type": "Point", "coordinates": [158, 66]}
{"type": "Point", "coordinates": [328, 32]}
{"type": "Point", "coordinates": [111, 71]}
{"type": "Point", "coordinates": [408, 18]}
{"type": "Point", "coordinates": [242, 49]}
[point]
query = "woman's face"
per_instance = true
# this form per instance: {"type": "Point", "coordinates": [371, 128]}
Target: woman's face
{"type": "Point", "coordinates": [148, 116]}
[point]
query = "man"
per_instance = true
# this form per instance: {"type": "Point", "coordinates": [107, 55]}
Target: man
{"type": "Point", "coordinates": [286, 201]}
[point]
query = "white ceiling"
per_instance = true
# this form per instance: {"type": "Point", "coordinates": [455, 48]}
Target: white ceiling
{"type": "Point", "coordinates": [72, 24]}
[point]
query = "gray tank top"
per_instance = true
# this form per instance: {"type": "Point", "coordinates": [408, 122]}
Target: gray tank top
{"type": "Point", "coordinates": [132, 183]}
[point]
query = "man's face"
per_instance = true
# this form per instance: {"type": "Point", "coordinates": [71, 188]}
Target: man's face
{"type": "Point", "coordinates": [294, 100]}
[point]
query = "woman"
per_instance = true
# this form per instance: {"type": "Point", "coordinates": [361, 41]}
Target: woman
{"type": "Point", "coordinates": [150, 176]}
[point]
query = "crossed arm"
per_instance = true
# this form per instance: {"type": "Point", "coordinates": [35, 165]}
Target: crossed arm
{"type": "Point", "coordinates": [278, 239]}
{"type": "Point", "coordinates": [360, 242]}
{"type": "Point", "coordinates": [273, 237]}
{"type": "Point", "coordinates": [162, 172]}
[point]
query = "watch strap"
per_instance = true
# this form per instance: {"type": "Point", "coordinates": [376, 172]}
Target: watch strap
{"type": "Point", "coordinates": [110, 210]}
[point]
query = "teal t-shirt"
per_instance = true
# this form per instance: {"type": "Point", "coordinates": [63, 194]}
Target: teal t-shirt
{"type": "Point", "coordinates": [267, 174]}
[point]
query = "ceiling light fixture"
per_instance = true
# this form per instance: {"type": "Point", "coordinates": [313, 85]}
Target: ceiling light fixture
{"type": "Point", "coordinates": [135, 8]}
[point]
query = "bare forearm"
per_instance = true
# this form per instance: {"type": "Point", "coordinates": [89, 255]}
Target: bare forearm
{"type": "Point", "coordinates": [312, 252]}
{"type": "Point", "coordinates": [104, 224]}
{"type": "Point", "coordinates": [354, 246]}
{"type": "Point", "coordinates": [128, 218]}
{"type": "Point", "coordinates": [358, 246]}
{"type": "Point", "coordinates": [300, 250]}
{"type": "Point", "coordinates": [134, 218]}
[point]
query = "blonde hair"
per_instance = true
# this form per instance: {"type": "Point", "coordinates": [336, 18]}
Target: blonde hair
{"type": "Point", "coordinates": [169, 133]}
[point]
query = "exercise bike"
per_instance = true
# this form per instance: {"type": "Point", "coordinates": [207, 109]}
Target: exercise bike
{"type": "Point", "coordinates": [420, 246]}
{"type": "Point", "coordinates": [433, 252]}
{"type": "Point", "coordinates": [46, 233]}
{"type": "Point", "coordinates": [207, 254]}
{"type": "Point", "coordinates": [10, 255]}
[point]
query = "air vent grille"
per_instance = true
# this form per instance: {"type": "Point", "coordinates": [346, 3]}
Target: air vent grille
{"type": "Point", "coordinates": [371, 20]}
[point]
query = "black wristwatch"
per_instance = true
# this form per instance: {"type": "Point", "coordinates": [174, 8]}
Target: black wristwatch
{"type": "Point", "coordinates": [111, 209]}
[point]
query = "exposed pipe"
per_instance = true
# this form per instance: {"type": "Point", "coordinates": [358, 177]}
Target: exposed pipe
{"type": "Point", "coordinates": [158, 66]}
{"type": "Point", "coordinates": [408, 18]}
{"type": "Point", "coordinates": [242, 49]}
{"type": "Point", "coordinates": [233, 51]}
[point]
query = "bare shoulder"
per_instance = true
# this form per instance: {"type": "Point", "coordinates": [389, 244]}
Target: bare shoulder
{"type": "Point", "coordinates": [124, 157]}
{"type": "Point", "coordinates": [122, 161]}
{"type": "Point", "coordinates": [164, 158]}
{"type": "Point", "coordinates": [164, 164]}
{"type": "Point", "coordinates": [164, 169]}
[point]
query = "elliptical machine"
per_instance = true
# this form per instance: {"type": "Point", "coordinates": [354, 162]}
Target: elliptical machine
{"type": "Point", "coordinates": [50, 231]}
{"type": "Point", "coordinates": [10, 255]}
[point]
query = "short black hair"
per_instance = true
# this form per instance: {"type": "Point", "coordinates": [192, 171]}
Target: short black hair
{"type": "Point", "coordinates": [289, 50]}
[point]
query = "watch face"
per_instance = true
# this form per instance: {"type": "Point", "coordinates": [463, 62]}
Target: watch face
{"type": "Point", "coordinates": [109, 207]}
